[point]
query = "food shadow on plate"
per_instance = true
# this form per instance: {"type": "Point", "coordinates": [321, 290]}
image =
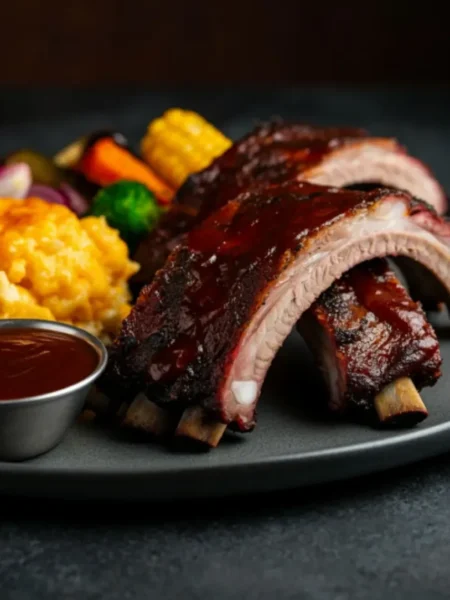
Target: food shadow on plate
{"type": "Point", "coordinates": [294, 390]}
{"type": "Point", "coordinates": [294, 384]}
{"type": "Point", "coordinates": [295, 387]}
{"type": "Point", "coordinates": [170, 442]}
{"type": "Point", "coordinates": [184, 445]}
{"type": "Point", "coordinates": [113, 429]}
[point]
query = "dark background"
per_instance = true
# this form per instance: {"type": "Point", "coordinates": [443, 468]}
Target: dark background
{"type": "Point", "coordinates": [383, 536]}
{"type": "Point", "coordinates": [239, 41]}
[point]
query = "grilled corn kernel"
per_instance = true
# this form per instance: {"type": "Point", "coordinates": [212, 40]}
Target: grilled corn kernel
{"type": "Point", "coordinates": [180, 143]}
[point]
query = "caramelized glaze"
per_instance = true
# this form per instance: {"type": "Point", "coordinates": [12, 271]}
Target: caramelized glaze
{"type": "Point", "coordinates": [182, 332]}
{"type": "Point", "coordinates": [378, 333]}
{"type": "Point", "coordinates": [274, 152]}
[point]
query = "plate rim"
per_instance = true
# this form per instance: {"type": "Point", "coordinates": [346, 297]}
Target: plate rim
{"type": "Point", "coordinates": [372, 447]}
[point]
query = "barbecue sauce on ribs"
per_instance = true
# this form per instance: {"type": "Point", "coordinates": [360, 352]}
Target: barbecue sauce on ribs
{"type": "Point", "coordinates": [377, 334]}
{"type": "Point", "coordinates": [177, 341]}
{"type": "Point", "coordinates": [180, 336]}
{"type": "Point", "coordinates": [273, 152]}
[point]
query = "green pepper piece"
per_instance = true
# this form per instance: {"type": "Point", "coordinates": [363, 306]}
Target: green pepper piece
{"type": "Point", "coordinates": [128, 206]}
{"type": "Point", "coordinates": [43, 169]}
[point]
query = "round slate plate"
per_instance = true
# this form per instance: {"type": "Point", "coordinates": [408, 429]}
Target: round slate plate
{"type": "Point", "coordinates": [290, 447]}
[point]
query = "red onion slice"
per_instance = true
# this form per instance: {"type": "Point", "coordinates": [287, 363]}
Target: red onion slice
{"type": "Point", "coordinates": [74, 199]}
{"type": "Point", "coordinates": [15, 180]}
{"type": "Point", "coordinates": [47, 193]}
{"type": "Point", "coordinates": [65, 194]}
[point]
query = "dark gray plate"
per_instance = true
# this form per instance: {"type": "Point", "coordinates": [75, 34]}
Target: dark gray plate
{"type": "Point", "coordinates": [290, 447]}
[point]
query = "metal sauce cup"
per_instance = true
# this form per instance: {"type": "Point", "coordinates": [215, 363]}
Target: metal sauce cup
{"type": "Point", "coordinates": [34, 425]}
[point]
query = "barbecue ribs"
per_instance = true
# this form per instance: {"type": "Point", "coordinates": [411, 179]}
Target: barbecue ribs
{"type": "Point", "coordinates": [365, 333]}
{"type": "Point", "coordinates": [205, 330]}
{"type": "Point", "coordinates": [277, 152]}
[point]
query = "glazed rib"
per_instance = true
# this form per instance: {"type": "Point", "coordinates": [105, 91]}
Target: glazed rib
{"type": "Point", "coordinates": [366, 333]}
{"type": "Point", "coordinates": [207, 328]}
{"type": "Point", "coordinates": [277, 152]}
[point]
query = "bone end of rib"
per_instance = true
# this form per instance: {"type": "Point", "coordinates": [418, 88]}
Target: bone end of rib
{"type": "Point", "coordinates": [196, 424]}
{"type": "Point", "coordinates": [400, 404]}
{"type": "Point", "coordinates": [146, 416]}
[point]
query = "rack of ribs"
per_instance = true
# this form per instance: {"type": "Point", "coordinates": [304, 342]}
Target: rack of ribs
{"type": "Point", "coordinates": [204, 331]}
{"type": "Point", "coordinates": [277, 152]}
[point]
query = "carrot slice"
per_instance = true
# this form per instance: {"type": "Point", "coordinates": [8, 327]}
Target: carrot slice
{"type": "Point", "coordinates": [106, 162]}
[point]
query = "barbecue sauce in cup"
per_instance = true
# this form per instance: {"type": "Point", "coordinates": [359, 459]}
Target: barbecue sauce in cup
{"type": "Point", "coordinates": [40, 361]}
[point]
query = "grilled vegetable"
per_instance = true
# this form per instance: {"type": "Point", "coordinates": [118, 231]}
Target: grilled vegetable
{"type": "Point", "coordinates": [47, 174]}
{"type": "Point", "coordinates": [70, 156]}
{"type": "Point", "coordinates": [65, 194]}
{"type": "Point", "coordinates": [129, 207]}
{"type": "Point", "coordinates": [15, 180]}
{"type": "Point", "coordinates": [47, 193]}
{"type": "Point", "coordinates": [74, 200]}
{"type": "Point", "coordinates": [104, 159]}
{"type": "Point", "coordinates": [181, 142]}
{"type": "Point", "coordinates": [43, 169]}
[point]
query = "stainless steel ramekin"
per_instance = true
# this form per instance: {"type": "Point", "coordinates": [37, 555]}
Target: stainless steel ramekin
{"type": "Point", "coordinates": [34, 425]}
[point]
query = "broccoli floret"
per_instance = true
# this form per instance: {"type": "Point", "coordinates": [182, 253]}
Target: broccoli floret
{"type": "Point", "coordinates": [128, 206]}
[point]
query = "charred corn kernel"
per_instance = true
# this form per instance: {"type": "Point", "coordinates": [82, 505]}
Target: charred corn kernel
{"type": "Point", "coordinates": [180, 143]}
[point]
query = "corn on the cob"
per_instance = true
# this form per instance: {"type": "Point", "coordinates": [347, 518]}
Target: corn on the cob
{"type": "Point", "coordinates": [179, 143]}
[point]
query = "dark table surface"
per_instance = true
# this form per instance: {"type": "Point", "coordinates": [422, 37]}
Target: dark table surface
{"type": "Point", "coordinates": [380, 536]}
